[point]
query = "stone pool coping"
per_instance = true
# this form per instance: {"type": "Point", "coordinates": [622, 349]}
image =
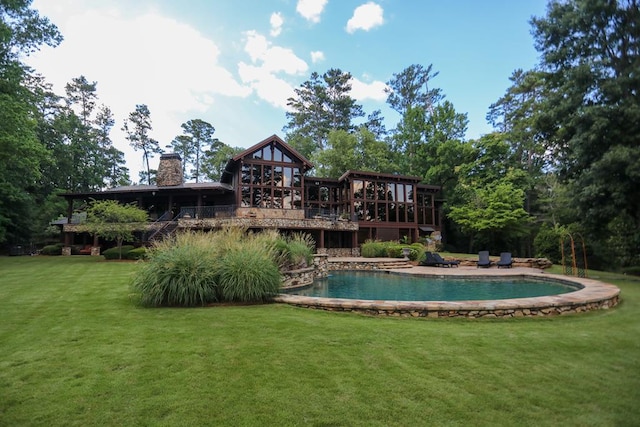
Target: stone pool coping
{"type": "Point", "coordinates": [593, 295]}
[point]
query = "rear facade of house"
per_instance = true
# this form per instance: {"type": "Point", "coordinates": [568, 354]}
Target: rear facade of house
{"type": "Point", "coordinates": [267, 187]}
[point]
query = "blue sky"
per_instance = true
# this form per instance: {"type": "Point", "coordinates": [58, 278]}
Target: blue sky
{"type": "Point", "coordinates": [234, 63]}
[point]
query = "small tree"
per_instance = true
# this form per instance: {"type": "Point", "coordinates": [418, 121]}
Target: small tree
{"type": "Point", "coordinates": [113, 221]}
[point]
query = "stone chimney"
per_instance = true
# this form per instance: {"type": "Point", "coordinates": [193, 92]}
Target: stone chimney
{"type": "Point", "coordinates": [169, 170]}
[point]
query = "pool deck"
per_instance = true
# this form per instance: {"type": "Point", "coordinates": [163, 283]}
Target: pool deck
{"type": "Point", "coordinates": [593, 295]}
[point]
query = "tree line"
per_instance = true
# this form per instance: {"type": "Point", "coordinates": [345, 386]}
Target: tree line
{"type": "Point", "coordinates": [562, 156]}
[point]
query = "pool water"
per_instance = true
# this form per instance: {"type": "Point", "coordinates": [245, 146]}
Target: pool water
{"type": "Point", "coordinates": [402, 287]}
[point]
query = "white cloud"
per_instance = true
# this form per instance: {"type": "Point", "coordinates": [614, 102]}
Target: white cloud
{"type": "Point", "coordinates": [365, 17]}
{"type": "Point", "coordinates": [374, 90]}
{"type": "Point", "coordinates": [267, 86]}
{"type": "Point", "coordinates": [311, 9]}
{"type": "Point", "coordinates": [267, 61]}
{"type": "Point", "coordinates": [144, 59]}
{"type": "Point", "coordinates": [276, 22]}
{"type": "Point", "coordinates": [317, 56]}
{"type": "Point", "coordinates": [274, 58]}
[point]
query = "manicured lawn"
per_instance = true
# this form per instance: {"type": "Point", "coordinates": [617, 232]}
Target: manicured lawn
{"type": "Point", "coordinates": [75, 351]}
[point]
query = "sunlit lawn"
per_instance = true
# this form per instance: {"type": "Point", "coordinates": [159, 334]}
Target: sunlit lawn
{"type": "Point", "coordinates": [75, 351]}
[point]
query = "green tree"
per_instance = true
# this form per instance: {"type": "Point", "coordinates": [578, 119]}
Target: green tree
{"type": "Point", "coordinates": [590, 56]}
{"type": "Point", "coordinates": [112, 161]}
{"type": "Point", "coordinates": [491, 211]}
{"type": "Point", "coordinates": [215, 159]}
{"type": "Point", "coordinates": [197, 138]}
{"type": "Point", "coordinates": [137, 127]}
{"type": "Point", "coordinates": [356, 151]}
{"type": "Point", "coordinates": [22, 31]}
{"type": "Point", "coordinates": [320, 105]}
{"type": "Point", "coordinates": [410, 89]}
{"type": "Point", "coordinates": [114, 222]}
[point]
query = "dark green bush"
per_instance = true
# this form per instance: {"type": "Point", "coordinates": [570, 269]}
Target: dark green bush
{"type": "Point", "coordinates": [137, 253]}
{"type": "Point", "coordinates": [547, 243]}
{"type": "Point", "coordinates": [179, 275]}
{"type": "Point", "coordinates": [114, 253]}
{"type": "Point", "coordinates": [248, 275]}
{"type": "Point", "coordinates": [52, 249]}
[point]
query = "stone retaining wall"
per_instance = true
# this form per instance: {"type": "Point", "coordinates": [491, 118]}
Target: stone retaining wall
{"type": "Point", "coordinates": [404, 309]}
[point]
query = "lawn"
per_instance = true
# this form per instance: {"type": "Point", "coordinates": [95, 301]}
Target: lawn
{"type": "Point", "coordinates": [74, 350]}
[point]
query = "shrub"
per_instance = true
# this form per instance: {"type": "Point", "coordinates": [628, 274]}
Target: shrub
{"type": "Point", "coordinates": [114, 253]}
{"type": "Point", "coordinates": [52, 249]}
{"type": "Point", "coordinates": [248, 274]}
{"type": "Point", "coordinates": [137, 253]}
{"type": "Point", "coordinates": [374, 249]}
{"type": "Point", "coordinates": [395, 251]}
{"type": "Point", "coordinates": [547, 243]}
{"type": "Point", "coordinates": [179, 275]}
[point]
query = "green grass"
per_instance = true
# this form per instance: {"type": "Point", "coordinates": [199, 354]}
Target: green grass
{"type": "Point", "coordinates": [74, 350]}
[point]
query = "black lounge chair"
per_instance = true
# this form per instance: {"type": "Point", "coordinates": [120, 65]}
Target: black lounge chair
{"type": "Point", "coordinates": [505, 260]}
{"type": "Point", "coordinates": [483, 259]}
{"type": "Point", "coordinates": [444, 263]}
{"type": "Point", "coordinates": [429, 260]}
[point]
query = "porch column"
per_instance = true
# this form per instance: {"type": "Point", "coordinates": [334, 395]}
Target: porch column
{"type": "Point", "coordinates": [321, 242]}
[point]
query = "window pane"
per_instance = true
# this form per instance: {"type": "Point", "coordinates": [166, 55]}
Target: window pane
{"type": "Point", "coordinates": [371, 190]}
{"type": "Point", "coordinates": [400, 193]}
{"type": "Point", "coordinates": [288, 177]}
{"type": "Point", "coordinates": [381, 188]}
{"type": "Point", "coordinates": [267, 152]}
{"type": "Point", "coordinates": [257, 155]}
{"type": "Point", "coordinates": [246, 197]}
{"type": "Point", "coordinates": [297, 177]}
{"type": "Point", "coordinates": [277, 155]}
{"type": "Point", "coordinates": [391, 190]}
{"type": "Point", "coordinates": [278, 176]}
{"type": "Point", "coordinates": [246, 174]}
{"type": "Point", "coordinates": [358, 189]}
{"type": "Point", "coordinates": [382, 212]}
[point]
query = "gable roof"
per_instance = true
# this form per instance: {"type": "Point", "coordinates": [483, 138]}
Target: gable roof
{"type": "Point", "coordinates": [229, 168]}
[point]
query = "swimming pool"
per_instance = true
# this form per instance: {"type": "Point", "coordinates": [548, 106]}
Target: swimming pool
{"type": "Point", "coordinates": [371, 285]}
{"type": "Point", "coordinates": [587, 294]}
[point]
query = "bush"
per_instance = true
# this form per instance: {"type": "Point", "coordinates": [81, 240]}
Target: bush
{"type": "Point", "coordinates": [114, 253]}
{"type": "Point", "coordinates": [547, 243]}
{"type": "Point", "coordinates": [198, 268]}
{"type": "Point", "coordinates": [52, 249]}
{"type": "Point", "coordinates": [179, 275]}
{"type": "Point", "coordinates": [248, 275]}
{"type": "Point", "coordinates": [374, 249]}
{"type": "Point", "coordinates": [137, 253]}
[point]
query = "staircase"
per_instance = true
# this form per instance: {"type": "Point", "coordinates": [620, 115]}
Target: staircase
{"type": "Point", "coordinates": [168, 228]}
{"type": "Point", "coordinates": [394, 264]}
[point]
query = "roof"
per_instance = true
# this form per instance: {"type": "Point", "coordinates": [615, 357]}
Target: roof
{"type": "Point", "coordinates": [152, 188]}
{"type": "Point", "coordinates": [229, 168]}
{"type": "Point", "coordinates": [365, 174]}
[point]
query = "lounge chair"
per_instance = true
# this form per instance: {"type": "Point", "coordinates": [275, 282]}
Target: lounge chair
{"type": "Point", "coordinates": [483, 259]}
{"type": "Point", "coordinates": [505, 260]}
{"type": "Point", "coordinates": [429, 260]}
{"type": "Point", "coordinates": [444, 263]}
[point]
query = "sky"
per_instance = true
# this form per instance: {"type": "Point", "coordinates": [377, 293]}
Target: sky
{"type": "Point", "coordinates": [234, 63]}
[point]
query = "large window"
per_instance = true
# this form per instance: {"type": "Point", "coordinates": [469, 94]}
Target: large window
{"type": "Point", "coordinates": [270, 179]}
{"type": "Point", "coordinates": [378, 200]}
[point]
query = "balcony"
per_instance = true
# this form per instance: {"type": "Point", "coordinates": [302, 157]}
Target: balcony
{"type": "Point", "coordinates": [210, 217]}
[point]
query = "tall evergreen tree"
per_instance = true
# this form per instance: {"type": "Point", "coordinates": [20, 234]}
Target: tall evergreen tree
{"type": "Point", "coordinates": [321, 105]}
{"type": "Point", "coordinates": [137, 127]}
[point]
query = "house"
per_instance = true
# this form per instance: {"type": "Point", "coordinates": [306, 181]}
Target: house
{"type": "Point", "coordinates": [266, 186]}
